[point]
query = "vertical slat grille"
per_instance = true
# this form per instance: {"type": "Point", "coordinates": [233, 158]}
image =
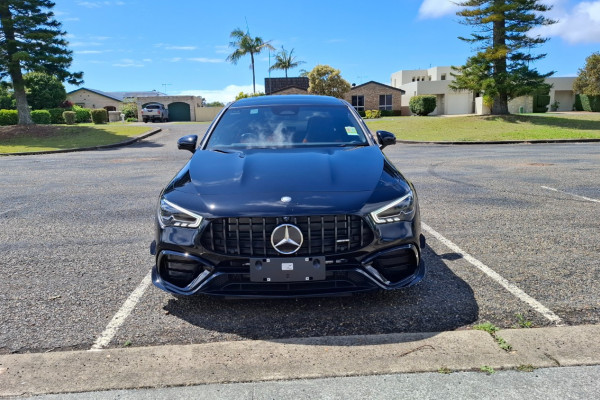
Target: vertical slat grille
{"type": "Point", "coordinates": [251, 237]}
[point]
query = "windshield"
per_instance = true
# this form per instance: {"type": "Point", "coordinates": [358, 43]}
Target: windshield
{"type": "Point", "coordinates": [287, 126]}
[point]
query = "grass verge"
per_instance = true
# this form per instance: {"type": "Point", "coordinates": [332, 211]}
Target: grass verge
{"type": "Point", "coordinates": [491, 127]}
{"type": "Point", "coordinates": [21, 139]}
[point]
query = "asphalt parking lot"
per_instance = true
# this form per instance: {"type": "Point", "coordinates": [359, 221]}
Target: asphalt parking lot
{"type": "Point", "coordinates": [76, 229]}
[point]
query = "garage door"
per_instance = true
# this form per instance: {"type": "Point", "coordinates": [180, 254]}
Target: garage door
{"type": "Point", "coordinates": [179, 112]}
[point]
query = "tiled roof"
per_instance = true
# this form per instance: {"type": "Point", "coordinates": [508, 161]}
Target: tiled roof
{"type": "Point", "coordinates": [277, 84]}
{"type": "Point", "coordinates": [377, 83]}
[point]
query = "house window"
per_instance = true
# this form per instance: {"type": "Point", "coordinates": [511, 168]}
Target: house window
{"type": "Point", "coordinates": [358, 102]}
{"type": "Point", "coordinates": [385, 102]}
{"type": "Point", "coordinates": [413, 79]}
{"type": "Point", "coordinates": [443, 77]}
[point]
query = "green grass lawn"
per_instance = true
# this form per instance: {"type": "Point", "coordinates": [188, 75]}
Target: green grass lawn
{"type": "Point", "coordinates": [490, 128]}
{"type": "Point", "coordinates": [18, 139]}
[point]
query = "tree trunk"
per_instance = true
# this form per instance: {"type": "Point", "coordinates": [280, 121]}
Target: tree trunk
{"type": "Point", "coordinates": [253, 79]}
{"type": "Point", "coordinates": [21, 100]}
{"type": "Point", "coordinates": [500, 106]}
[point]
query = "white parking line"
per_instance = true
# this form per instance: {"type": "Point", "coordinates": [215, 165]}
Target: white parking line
{"type": "Point", "coordinates": [512, 288]}
{"type": "Point", "coordinates": [571, 194]}
{"type": "Point", "coordinates": [114, 324]}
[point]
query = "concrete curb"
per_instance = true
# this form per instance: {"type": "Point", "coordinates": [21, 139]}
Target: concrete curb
{"type": "Point", "coordinates": [105, 146]}
{"type": "Point", "coordinates": [262, 360]}
{"type": "Point", "coordinates": [540, 141]}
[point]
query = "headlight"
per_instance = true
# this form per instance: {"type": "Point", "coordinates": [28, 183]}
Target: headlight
{"type": "Point", "coordinates": [402, 209]}
{"type": "Point", "coordinates": [170, 214]}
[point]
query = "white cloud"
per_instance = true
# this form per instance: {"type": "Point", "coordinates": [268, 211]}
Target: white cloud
{"type": "Point", "coordinates": [99, 4]}
{"type": "Point", "coordinates": [437, 8]}
{"type": "Point", "coordinates": [174, 59]}
{"type": "Point", "coordinates": [180, 47]}
{"type": "Point", "coordinates": [206, 60]}
{"type": "Point", "coordinates": [223, 95]}
{"type": "Point", "coordinates": [148, 60]}
{"type": "Point", "coordinates": [222, 49]}
{"type": "Point", "coordinates": [581, 24]}
{"type": "Point", "coordinates": [89, 52]}
{"type": "Point", "coordinates": [127, 63]}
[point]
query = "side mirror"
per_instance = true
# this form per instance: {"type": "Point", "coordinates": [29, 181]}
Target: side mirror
{"type": "Point", "coordinates": [386, 138]}
{"type": "Point", "coordinates": [188, 143]}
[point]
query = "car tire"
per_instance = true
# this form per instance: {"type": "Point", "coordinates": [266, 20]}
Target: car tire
{"type": "Point", "coordinates": [145, 120]}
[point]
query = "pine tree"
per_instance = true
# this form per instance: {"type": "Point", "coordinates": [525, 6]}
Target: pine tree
{"type": "Point", "coordinates": [32, 40]}
{"type": "Point", "coordinates": [501, 68]}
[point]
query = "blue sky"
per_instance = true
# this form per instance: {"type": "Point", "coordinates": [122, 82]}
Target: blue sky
{"type": "Point", "coordinates": [180, 46]}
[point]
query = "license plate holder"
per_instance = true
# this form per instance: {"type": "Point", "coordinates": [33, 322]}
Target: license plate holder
{"type": "Point", "coordinates": [292, 269]}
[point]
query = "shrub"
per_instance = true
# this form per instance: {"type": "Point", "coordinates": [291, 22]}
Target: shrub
{"type": "Point", "coordinates": [361, 113]}
{"type": "Point", "coordinates": [131, 120]}
{"type": "Point", "coordinates": [391, 113]}
{"type": "Point", "coordinates": [9, 117]}
{"type": "Point", "coordinates": [422, 105]}
{"type": "Point", "coordinates": [584, 102]}
{"type": "Point", "coordinates": [130, 110]}
{"type": "Point", "coordinates": [56, 115]}
{"type": "Point", "coordinates": [99, 116]}
{"type": "Point", "coordinates": [41, 117]}
{"type": "Point", "coordinates": [540, 103]}
{"type": "Point", "coordinates": [69, 117]}
{"type": "Point", "coordinates": [82, 115]}
{"type": "Point", "coordinates": [373, 113]}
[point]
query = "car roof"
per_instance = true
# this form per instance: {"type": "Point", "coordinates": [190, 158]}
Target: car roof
{"type": "Point", "coordinates": [288, 99]}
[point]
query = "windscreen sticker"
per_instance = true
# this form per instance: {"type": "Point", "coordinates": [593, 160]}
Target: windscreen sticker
{"type": "Point", "coordinates": [350, 130]}
{"type": "Point", "coordinates": [254, 111]}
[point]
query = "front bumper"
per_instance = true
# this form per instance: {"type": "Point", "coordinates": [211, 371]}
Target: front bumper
{"type": "Point", "coordinates": [391, 268]}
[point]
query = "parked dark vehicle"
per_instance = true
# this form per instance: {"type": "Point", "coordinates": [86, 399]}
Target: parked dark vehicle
{"type": "Point", "coordinates": [287, 196]}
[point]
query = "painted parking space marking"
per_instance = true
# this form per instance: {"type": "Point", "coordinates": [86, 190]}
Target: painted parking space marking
{"type": "Point", "coordinates": [571, 194]}
{"type": "Point", "coordinates": [511, 287]}
{"type": "Point", "coordinates": [113, 326]}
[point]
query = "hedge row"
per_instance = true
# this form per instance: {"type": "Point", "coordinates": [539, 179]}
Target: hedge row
{"type": "Point", "coordinates": [45, 117]}
{"type": "Point", "coordinates": [383, 113]}
{"type": "Point", "coordinates": [583, 102]}
{"type": "Point", "coordinates": [9, 117]}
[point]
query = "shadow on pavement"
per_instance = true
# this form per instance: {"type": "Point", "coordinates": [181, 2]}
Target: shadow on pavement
{"type": "Point", "coordinates": [441, 302]}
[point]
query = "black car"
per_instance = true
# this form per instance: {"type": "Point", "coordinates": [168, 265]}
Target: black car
{"type": "Point", "coordinates": [287, 196]}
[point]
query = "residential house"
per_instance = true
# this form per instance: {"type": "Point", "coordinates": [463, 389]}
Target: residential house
{"type": "Point", "coordinates": [375, 96]}
{"type": "Point", "coordinates": [181, 108]}
{"type": "Point", "coordinates": [435, 81]}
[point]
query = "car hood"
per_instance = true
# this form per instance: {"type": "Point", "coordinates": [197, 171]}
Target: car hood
{"type": "Point", "coordinates": [318, 181]}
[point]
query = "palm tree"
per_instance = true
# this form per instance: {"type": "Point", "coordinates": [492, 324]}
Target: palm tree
{"type": "Point", "coordinates": [245, 44]}
{"type": "Point", "coordinates": [285, 61]}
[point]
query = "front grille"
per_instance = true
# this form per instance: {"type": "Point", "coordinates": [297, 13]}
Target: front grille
{"type": "Point", "coordinates": [251, 237]}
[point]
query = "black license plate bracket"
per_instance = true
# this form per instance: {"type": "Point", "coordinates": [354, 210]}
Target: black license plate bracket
{"type": "Point", "coordinates": [292, 269]}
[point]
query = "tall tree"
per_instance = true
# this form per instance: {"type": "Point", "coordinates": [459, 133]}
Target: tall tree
{"type": "Point", "coordinates": [32, 40]}
{"type": "Point", "coordinates": [327, 81]}
{"type": "Point", "coordinates": [285, 61]}
{"type": "Point", "coordinates": [588, 79]}
{"type": "Point", "coordinates": [501, 67]}
{"type": "Point", "coordinates": [245, 44]}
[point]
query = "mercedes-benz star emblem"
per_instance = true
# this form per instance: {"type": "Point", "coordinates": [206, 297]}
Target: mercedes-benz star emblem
{"type": "Point", "coordinates": [287, 239]}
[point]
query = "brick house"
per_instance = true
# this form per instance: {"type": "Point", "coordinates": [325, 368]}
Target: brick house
{"type": "Point", "coordinates": [375, 96]}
